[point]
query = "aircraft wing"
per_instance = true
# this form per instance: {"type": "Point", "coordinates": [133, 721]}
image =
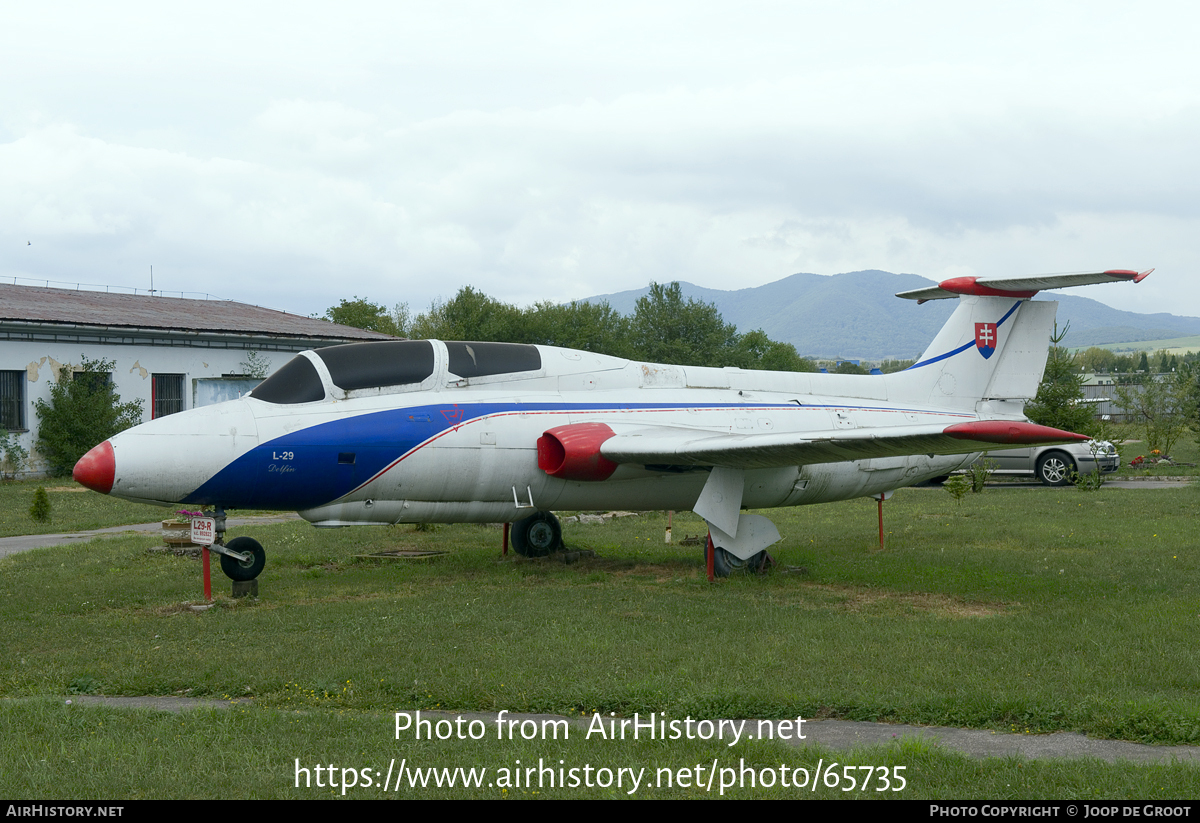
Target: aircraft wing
{"type": "Point", "coordinates": [662, 445]}
{"type": "Point", "coordinates": [1019, 285]}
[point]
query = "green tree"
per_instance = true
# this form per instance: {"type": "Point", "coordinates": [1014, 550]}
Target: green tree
{"type": "Point", "coordinates": [847, 367]}
{"type": "Point", "coordinates": [470, 315]}
{"type": "Point", "coordinates": [363, 314]}
{"type": "Point", "coordinates": [1161, 406]}
{"type": "Point", "coordinates": [893, 366]}
{"type": "Point", "coordinates": [667, 329]}
{"type": "Point", "coordinates": [256, 364]}
{"type": "Point", "coordinates": [754, 350]}
{"type": "Point", "coordinates": [594, 327]}
{"type": "Point", "coordinates": [84, 410]}
{"type": "Point", "coordinates": [1097, 359]}
{"type": "Point", "coordinates": [1058, 402]}
{"type": "Point", "coordinates": [40, 509]}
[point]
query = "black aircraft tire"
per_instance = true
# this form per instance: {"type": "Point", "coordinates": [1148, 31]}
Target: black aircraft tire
{"type": "Point", "coordinates": [725, 563]}
{"type": "Point", "coordinates": [536, 535]}
{"type": "Point", "coordinates": [238, 570]}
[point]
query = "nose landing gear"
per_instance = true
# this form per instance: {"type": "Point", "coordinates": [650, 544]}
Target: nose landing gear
{"type": "Point", "coordinates": [242, 558]}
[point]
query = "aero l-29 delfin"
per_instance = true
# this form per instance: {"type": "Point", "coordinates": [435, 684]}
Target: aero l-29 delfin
{"type": "Point", "coordinates": [426, 431]}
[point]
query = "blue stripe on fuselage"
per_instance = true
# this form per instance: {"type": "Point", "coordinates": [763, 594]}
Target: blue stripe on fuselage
{"type": "Point", "coordinates": [300, 470]}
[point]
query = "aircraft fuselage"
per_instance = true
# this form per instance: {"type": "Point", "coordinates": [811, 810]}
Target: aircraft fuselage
{"type": "Point", "coordinates": [453, 449]}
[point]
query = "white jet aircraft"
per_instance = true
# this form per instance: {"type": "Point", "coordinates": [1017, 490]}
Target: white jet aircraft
{"type": "Point", "coordinates": [425, 431]}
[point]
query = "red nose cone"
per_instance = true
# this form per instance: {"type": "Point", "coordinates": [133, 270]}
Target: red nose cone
{"type": "Point", "coordinates": [97, 468]}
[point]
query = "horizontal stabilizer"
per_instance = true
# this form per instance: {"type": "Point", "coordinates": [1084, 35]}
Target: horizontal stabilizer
{"type": "Point", "coordinates": [1019, 286]}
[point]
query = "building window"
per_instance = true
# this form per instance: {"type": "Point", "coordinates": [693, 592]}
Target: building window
{"type": "Point", "coordinates": [168, 394]}
{"type": "Point", "coordinates": [95, 381]}
{"type": "Point", "coordinates": [12, 400]}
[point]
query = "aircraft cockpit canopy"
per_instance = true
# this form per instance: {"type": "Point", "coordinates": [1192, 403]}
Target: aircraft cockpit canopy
{"type": "Point", "coordinates": [296, 382]}
{"type": "Point", "coordinates": [485, 359]}
{"type": "Point", "coordinates": [391, 363]}
{"type": "Point", "coordinates": [376, 365]}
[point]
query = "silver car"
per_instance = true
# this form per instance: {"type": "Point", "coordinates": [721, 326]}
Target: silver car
{"type": "Point", "coordinates": [1056, 465]}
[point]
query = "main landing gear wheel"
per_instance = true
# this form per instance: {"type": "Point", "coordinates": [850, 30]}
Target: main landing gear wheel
{"type": "Point", "coordinates": [536, 535]}
{"type": "Point", "coordinates": [244, 569]}
{"type": "Point", "coordinates": [726, 563]}
{"type": "Point", "coordinates": [1055, 468]}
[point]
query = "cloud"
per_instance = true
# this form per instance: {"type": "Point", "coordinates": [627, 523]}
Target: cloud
{"type": "Point", "coordinates": [547, 152]}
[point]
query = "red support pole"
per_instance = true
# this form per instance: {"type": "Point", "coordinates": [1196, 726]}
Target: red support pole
{"type": "Point", "coordinates": [504, 547]}
{"type": "Point", "coordinates": [881, 521]}
{"type": "Point", "coordinates": [207, 575]}
{"type": "Point", "coordinates": [709, 550]}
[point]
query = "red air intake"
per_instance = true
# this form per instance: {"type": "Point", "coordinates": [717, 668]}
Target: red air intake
{"type": "Point", "coordinates": [573, 452]}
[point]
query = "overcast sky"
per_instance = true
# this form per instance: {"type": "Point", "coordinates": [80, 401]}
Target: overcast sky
{"type": "Point", "coordinates": [292, 154]}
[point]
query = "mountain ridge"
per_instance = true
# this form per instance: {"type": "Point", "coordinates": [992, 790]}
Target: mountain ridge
{"type": "Point", "coordinates": [857, 314]}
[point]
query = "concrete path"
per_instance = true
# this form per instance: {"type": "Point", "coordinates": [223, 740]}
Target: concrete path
{"type": "Point", "coordinates": [1115, 483]}
{"type": "Point", "coordinates": [1122, 483]}
{"type": "Point", "coordinates": [12, 545]}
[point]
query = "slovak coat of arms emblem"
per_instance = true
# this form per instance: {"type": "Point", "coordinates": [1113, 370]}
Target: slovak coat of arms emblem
{"type": "Point", "coordinates": [985, 339]}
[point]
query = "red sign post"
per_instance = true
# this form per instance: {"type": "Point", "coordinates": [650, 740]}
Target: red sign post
{"type": "Point", "coordinates": [204, 533]}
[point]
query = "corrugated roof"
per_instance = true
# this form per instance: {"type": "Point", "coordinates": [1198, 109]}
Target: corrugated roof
{"type": "Point", "coordinates": [135, 311]}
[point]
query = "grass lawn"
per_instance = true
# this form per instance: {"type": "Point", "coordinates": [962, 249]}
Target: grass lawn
{"type": "Point", "coordinates": [1023, 609]}
{"type": "Point", "coordinates": [73, 508]}
{"type": "Point", "coordinates": [1185, 456]}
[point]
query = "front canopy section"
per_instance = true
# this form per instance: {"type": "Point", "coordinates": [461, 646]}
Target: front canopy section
{"type": "Point", "coordinates": [390, 366]}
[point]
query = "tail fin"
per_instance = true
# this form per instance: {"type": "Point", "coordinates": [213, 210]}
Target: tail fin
{"type": "Point", "coordinates": [994, 346]}
{"type": "Point", "coordinates": [990, 348]}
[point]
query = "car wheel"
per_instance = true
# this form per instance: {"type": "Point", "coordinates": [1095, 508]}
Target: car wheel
{"type": "Point", "coordinates": [1055, 468]}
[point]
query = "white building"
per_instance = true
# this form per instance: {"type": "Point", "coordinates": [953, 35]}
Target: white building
{"type": "Point", "coordinates": [172, 353]}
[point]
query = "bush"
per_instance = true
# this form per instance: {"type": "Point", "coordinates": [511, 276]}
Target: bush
{"type": "Point", "coordinates": [40, 510]}
{"type": "Point", "coordinates": [1161, 407]}
{"type": "Point", "coordinates": [979, 472]}
{"type": "Point", "coordinates": [12, 456]}
{"type": "Point", "coordinates": [84, 410]}
{"type": "Point", "coordinates": [958, 486]}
